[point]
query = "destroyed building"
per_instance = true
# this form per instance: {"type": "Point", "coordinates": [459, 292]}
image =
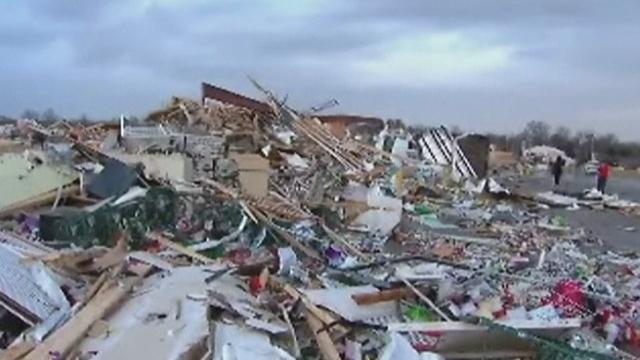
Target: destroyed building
{"type": "Point", "coordinates": [237, 228]}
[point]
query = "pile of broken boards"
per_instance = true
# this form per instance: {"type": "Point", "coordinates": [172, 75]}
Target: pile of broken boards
{"type": "Point", "coordinates": [241, 230]}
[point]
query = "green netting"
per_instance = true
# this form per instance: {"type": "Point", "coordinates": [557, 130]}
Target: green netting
{"type": "Point", "coordinates": [547, 349]}
{"type": "Point", "coordinates": [155, 211]}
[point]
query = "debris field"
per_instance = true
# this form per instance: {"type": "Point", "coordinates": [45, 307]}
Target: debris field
{"type": "Point", "coordinates": [237, 228]}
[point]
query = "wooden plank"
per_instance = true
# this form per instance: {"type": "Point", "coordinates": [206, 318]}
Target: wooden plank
{"type": "Point", "coordinates": [74, 330]}
{"type": "Point", "coordinates": [180, 249]}
{"type": "Point", "coordinates": [286, 236]}
{"type": "Point", "coordinates": [94, 288]}
{"type": "Point", "coordinates": [381, 296]}
{"type": "Point", "coordinates": [326, 147]}
{"type": "Point", "coordinates": [335, 237]}
{"type": "Point", "coordinates": [326, 345]}
{"type": "Point", "coordinates": [330, 141]}
{"type": "Point", "coordinates": [424, 298]}
{"type": "Point", "coordinates": [374, 150]}
{"type": "Point", "coordinates": [16, 352]}
{"type": "Point", "coordinates": [101, 283]}
{"type": "Point", "coordinates": [84, 199]}
{"type": "Point", "coordinates": [292, 331]}
{"type": "Point", "coordinates": [323, 315]}
{"type": "Point", "coordinates": [114, 256]}
{"type": "Point", "coordinates": [39, 200]}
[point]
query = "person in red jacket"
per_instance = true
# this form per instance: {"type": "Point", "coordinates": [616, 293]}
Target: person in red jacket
{"type": "Point", "coordinates": [604, 172]}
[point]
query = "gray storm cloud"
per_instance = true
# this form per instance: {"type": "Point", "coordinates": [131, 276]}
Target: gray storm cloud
{"type": "Point", "coordinates": [491, 65]}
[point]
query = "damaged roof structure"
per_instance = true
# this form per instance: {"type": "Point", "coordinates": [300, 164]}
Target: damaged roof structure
{"type": "Point", "coordinates": [233, 228]}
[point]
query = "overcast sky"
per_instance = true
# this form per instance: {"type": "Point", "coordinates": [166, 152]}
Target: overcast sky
{"type": "Point", "coordinates": [482, 65]}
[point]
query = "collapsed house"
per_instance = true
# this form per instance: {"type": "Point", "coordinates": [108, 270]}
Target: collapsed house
{"type": "Point", "coordinates": [236, 228]}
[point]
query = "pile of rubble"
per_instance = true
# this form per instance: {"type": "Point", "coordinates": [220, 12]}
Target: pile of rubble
{"type": "Point", "coordinates": [234, 228]}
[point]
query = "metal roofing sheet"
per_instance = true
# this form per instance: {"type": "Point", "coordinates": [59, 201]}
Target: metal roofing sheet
{"type": "Point", "coordinates": [19, 291]}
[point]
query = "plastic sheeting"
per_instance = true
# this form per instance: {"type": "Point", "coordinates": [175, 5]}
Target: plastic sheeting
{"type": "Point", "coordinates": [234, 342]}
{"type": "Point", "coordinates": [385, 213]}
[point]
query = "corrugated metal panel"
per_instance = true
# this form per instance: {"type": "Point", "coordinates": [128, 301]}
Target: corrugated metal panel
{"type": "Point", "coordinates": [19, 292]}
{"type": "Point", "coordinates": [476, 149]}
{"type": "Point", "coordinates": [438, 146]}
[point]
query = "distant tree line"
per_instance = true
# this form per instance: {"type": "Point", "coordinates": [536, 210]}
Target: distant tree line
{"type": "Point", "coordinates": [49, 117]}
{"type": "Point", "coordinates": [580, 145]}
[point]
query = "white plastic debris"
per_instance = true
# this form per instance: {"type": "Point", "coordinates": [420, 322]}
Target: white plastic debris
{"type": "Point", "coordinates": [399, 348]}
{"type": "Point", "coordinates": [553, 199]}
{"type": "Point", "coordinates": [430, 356]}
{"type": "Point", "coordinates": [296, 161]}
{"type": "Point", "coordinates": [288, 259]}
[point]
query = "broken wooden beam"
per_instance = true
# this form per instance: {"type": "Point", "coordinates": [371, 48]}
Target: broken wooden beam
{"type": "Point", "coordinates": [381, 296]}
{"type": "Point", "coordinates": [73, 331]}
{"type": "Point", "coordinates": [424, 298]}
{"type": "Point", "coordinates": [180, 249]}
{"type": "Point", "coordinates": [326, 345]}
{"type": "Point", "coordinates": [39, 200]}
{"type": "Point", "coordinates": [17, 351]}
{"type": "Point", "coordinates": [292, 331]}
{"type": "Point", "coordinates": [337, 238]}
{"type": "Point", "coordinates": [321, 314]}
{"type": "Point", "coordinates": [286, 236]}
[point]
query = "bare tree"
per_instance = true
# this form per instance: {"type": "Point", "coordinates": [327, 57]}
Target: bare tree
{"type": "Point", "coordinates": [561, 139]}
{"type": "Point", "coordinates": [49, 116]}
{"type": "Point", "coordinates": [456, 131]}
{"type": "Point", "coordinates": [537, 133]}
{"type": "Point", "coordinates": [30, 114]}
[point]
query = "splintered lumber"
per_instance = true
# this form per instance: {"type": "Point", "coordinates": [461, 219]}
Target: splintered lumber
{"type": "Point", "coordinates": [324, 316]}
{"type": "Point", "coordinates": [332, 234]}
{"type": "Point", "coordinates": [218, 186]}
{"type": "Point", "coordinates": [276, 207]}
{"type": "Point", "coordinates": [381, 296]}
{"type": "Point", "coordinates": [364, 147]}
{"type": "Point", "coordinates": [314, 125]}
{"type": "Point", "coordinates": [292, 331]}
{"type": "Point", "coordinates": [180, 249]}
{"type": "Point", "coordinates": [326, 345]}
{"type": "Point", "coordinates": [102, 282]}
{"type": "Point", "coordinates": [330, 145]}
{"type": "Point", "coordinates": [16, 352]}
{"type": "Point", "coordinates": [39, 200]}
{"type": "Point", "coordinates": [286, 236]}
{"type": "Point", "coordinates": [73, 331]}
{"type": "Point", "coordinates": [335, 237]}
{"type": "Point", "coordinates": [113, 257]}
{"type": "Point", "coordinates": [95, 287]}
{"type": "Point", "coordinates": [256, 213]}
{"type": "Point", "coordinates": [424, 298]}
